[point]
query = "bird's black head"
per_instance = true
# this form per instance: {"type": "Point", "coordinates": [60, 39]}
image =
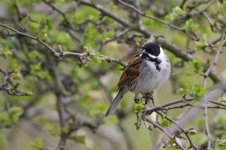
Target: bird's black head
{"type": "Point", "coordinates": [152, 48]}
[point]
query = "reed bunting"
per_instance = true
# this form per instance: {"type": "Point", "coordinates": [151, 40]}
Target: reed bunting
{"type": "Point", "coordinates": [148, 69]}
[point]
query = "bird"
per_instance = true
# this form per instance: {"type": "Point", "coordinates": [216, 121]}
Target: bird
{"type": "Point", "coordinates": [147, 70]}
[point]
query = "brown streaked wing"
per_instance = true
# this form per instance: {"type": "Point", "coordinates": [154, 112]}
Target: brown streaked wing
{"type": "Point", "coordinates": [131, 72]}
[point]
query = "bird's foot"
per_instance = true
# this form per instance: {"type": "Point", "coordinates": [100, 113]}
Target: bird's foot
{"type": "Point", "coordinates": [149, 97]}
{"type": "Point", "coordinates": [136, 98]}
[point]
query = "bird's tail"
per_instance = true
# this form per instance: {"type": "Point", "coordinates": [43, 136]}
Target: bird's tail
{"type": "Point", "coordinates": [121, 92]}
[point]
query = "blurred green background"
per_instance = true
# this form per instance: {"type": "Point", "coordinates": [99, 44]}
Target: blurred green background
{"type": "Point", "coordinates": [81, 89]}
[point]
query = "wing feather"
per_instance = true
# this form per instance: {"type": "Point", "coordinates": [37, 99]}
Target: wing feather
{"type": "Point", "coordinates": [131, 72]}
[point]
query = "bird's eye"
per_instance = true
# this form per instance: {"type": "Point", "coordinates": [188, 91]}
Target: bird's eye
{"type": "Point", "coordinates": [144, 56]}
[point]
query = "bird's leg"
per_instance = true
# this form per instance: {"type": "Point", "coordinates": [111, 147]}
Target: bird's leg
{"type": "Point", "coordinates": [136, 98]}
{"type": "Point", "coordinates": [148, 103]}
{"type": "Point", "coordinates": [149, 97]}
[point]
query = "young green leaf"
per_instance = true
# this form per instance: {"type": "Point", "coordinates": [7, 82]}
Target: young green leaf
{"type": "Point", "coordinates": [138, 107]}
{"type": "Point", "coordinates": [197, 65]}
{"type": "Point", "coordinates": [221, 143]}
{"type": "Point", "coordinates": [36, 144]}
{"type": "Point", "coordinates": [176, 13]}
{"type": "Point", "coordinates": [197, 91]}
{"type": "Point", "coordinates": [78, 139]}
{"type": "Point", "coordinates": [15, 113]}
{"type": "Point", "coordinates": [189, 25]}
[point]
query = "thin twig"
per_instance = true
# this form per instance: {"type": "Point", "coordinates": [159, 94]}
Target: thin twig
{"type": "Point", "coordinates": [204, 9]}
{"type": "Point", "coordinates": [190, 113]}
{"type": "Point", "coordinates": [218, 103]}
{"type": "Point", "coordinates": [104, 11]}
{"type": "Point", "coordinates": [164, 131]}
{"type": "Point", "coordinates": [31, 37]}
{"type": "Point", "coordinates": [126, 135]}
{"type": "Point", "coordinates": [219, 51]}
{"type": "Point", "coordinates": [180, 127]}
{"type": "Point", "coordinates": [115, 37]}
{"type": "Point", "coordinates": [59, 11]}
{"type": "Point", "coordinates": [207, 127]}
{"type": "Point", "coordinates": [191, 105]}
{"type": "Point", "coordinates": [172, 48]}
{"type": "Point", "coordinates": [158, 20]}
{"type": "Point", "coordinates": [108, 59]}
{"type": "Point", "coordinates": [149, 111]}
{"type": "Point", "coordinates": [80, 56]}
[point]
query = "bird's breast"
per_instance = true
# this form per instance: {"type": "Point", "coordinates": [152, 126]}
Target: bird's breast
{"type": "Point", "coordinates": [151, 77]}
